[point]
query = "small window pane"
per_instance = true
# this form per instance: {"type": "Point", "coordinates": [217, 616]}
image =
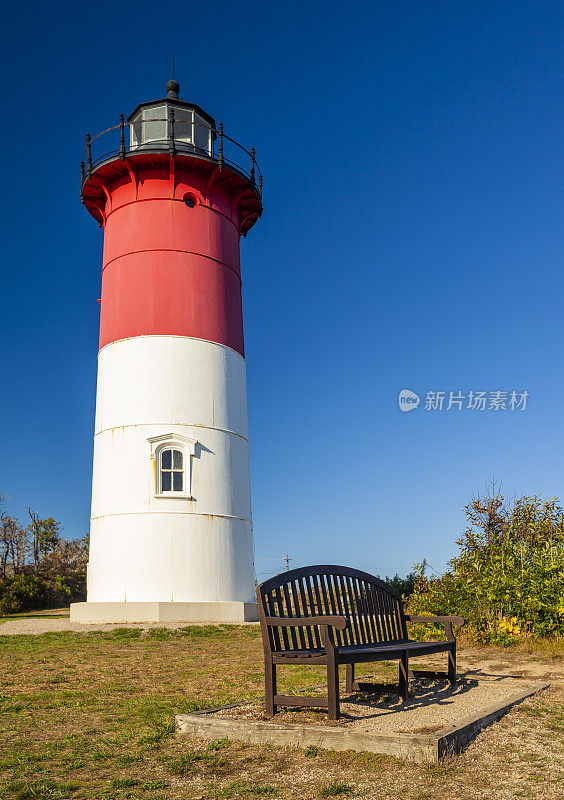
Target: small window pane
{"type": "Point", "coordinates": [183, 125]}
{"type": "Point", "coordinates": [156, 112]}
{"type": "Point", "coordinates": [201, 133]}
{"type": "Point", "coordinates": [155, 131]}
{"type": "Point", "coordinates": [136, 133]}
{"type": "Point", "coordinates": [166, 481]}
{"type": "Point", "coordinates": [177, 459]}
{"type": "Point", "coordinates": [166, 459]}
{"type": "Point", "coordinates": [177, 481]}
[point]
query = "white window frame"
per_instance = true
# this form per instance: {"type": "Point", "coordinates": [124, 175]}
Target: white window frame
{"type": "Point", "coordinates": [172, 441]}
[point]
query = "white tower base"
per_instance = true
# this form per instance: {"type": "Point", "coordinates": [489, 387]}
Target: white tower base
{"type": "Point", "coordinates": [157, 557]}
{"type": "Point", "coordinates": [219, 612]}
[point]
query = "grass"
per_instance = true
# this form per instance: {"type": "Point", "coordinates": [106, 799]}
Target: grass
{"type": "Point", "coordinates": [49, 613]}
{"type": "Point", "coordinates": [91, 716]}
{"type": "Point", "coordinates": [334, 789]}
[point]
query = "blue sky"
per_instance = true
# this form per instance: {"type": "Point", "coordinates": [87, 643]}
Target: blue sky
{"type": "Point", "coordinates": [412, 238]}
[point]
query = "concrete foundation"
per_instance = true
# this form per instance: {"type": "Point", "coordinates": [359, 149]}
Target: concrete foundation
{"type": "Point", "coordinates": [225, 612]}
{"type": "Point", "coordinates": [411, 746]}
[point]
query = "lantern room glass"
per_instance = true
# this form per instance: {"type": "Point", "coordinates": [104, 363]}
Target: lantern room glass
{"type": "Point", "coordinates": [150, 129]}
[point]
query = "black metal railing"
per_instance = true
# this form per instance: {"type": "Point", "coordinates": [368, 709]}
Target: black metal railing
{"type": "Point", "coordinates": [111, 143]}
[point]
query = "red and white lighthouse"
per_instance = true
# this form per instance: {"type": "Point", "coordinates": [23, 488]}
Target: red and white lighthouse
{"type": "Point", "coordinates": [171, 533]}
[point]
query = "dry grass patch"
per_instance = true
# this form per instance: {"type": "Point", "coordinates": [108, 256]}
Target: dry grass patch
{"type": "Point", "coordinates": [92, 716]}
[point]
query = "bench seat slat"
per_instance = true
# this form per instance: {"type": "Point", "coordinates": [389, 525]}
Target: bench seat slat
{"type": "Point", "coordinates": [368, 649]}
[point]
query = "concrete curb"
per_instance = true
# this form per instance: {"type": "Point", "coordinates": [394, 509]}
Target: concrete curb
{"type": "Point", "coordinates": [428, 748]}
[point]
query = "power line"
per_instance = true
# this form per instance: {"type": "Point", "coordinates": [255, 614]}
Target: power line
{"type": "Point", "coordinates": [267, 558]}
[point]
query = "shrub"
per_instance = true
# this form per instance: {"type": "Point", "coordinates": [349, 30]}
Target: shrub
{"type": "Point", "coordinates": [508, 578]}
{"type": "Point", "coordinates": [28, 591]}
{"type": "Point", "coordinates": [22, 592]}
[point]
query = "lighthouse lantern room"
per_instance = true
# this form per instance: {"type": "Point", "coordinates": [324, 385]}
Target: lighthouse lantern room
{"type": "Point", "coordinates": [171, 533]}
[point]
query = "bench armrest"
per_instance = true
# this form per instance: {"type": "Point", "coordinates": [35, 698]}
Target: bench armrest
{"type": "Point", "coordinates": [448, 622]}
{"type": "Point", "coordinates": [323, 622]}
{"type": "Point", "coordinates": [294, 622]}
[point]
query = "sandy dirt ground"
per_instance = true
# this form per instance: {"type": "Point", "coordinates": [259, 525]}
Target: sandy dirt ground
{"type": "Point", "coordinates": [432, 706]}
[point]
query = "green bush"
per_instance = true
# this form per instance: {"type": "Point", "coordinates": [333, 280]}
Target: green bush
{"type": "Point", "coordinates": [508, 579]}
{"type": "Point", "coordinates": [21, 593]}
{"type": "Point", "coordinates": [27, 591]}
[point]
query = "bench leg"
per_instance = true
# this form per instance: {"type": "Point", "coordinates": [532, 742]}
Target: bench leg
{"type": "Point", "coordinates": [350, 678]}
{"type": "Point", "coordinates": [404, 676]}
{"type": "Point", "coordinates": [270, 687]}
{"type": "Point", "coordinates": [452, 665]}
{"type": "Point", "coordinates": [333, 688]}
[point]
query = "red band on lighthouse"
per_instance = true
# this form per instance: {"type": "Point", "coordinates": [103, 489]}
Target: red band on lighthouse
{"type": "Point", "coordinates": [170, 268]}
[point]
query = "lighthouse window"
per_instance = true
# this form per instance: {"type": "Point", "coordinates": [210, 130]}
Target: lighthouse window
{"type": "Point", "coordinates": [149, 125]}
{"type": "Point", "coordinates": [172, 470]}
{"type": "Point", "coordinates": [202, 133]}
{"type": "Point", "coordinates": [171, 465]}
{"type": "Point", "coordinates": [183, 125]}
{"type": "Point", "coordinates": [154, 124]}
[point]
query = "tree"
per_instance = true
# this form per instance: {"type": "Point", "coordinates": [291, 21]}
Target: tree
{"type": "Point", "coordinates": [13, 543]}
{"type": "Point", "coordinates": [66, 558]}
{"type": "Point", "coordinates": [45, 535]}
{"type": "Point", "coordinates": [38, 568]}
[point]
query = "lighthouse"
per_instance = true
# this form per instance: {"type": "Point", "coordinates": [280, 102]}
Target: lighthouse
{"type": "Point", "coordinates": [171, 533]}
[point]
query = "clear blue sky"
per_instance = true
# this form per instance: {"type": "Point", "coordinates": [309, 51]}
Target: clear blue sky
{"type": "Point", "coordinates": [412, 238]}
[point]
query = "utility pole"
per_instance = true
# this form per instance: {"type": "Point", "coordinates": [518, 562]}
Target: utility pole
{"type": "Point", "coordinates": [287, 559]}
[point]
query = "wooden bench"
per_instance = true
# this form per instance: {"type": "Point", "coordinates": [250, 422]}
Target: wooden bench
{"type": "Point", "coordinates": [337, 615]}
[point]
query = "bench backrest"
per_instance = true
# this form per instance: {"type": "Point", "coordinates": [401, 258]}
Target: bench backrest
{"type": "Point", "coordinates": [373, 609]}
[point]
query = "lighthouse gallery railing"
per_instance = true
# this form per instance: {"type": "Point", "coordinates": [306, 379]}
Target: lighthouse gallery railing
{"type": "Point", "coordinates": [222, 149]}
